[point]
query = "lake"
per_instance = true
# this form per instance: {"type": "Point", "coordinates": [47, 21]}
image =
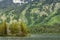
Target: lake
{"type": "Point", "coordinates": [35, 37]}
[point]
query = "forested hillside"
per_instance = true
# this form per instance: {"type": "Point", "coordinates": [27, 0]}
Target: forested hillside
{"type": "Point", "coordinates": [41, 16]}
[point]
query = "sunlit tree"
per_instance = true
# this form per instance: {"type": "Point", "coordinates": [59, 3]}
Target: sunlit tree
{"type": "Point", "coordinates": [23, 27]}
{"type": "Point", "coordinates": [4, 25]}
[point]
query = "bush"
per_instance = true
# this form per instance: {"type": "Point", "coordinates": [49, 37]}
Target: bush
{"type": "Point", "coordinates": [55, 28]}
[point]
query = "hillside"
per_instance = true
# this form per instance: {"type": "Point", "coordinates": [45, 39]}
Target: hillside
{"type": "Point", "coordinates": [36, 13]}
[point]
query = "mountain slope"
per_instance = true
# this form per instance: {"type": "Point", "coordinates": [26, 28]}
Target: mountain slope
{"type": "Point", "coordinates": [36, 12]}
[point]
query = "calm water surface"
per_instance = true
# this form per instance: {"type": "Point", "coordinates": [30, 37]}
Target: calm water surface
{"type": "Point", "coordinates": [35, 37]}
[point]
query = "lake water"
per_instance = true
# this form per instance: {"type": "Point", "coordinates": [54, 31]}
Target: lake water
{"type": "Point", "coordinates": [34, 37]}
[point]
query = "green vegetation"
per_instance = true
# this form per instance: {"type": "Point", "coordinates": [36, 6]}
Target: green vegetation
{"type": "Point", "coordinates": [38, 16]}
{"type": "Point", "coordinates": [53, 29]}
{"type": "Point", "coordinates": [13, 27]}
